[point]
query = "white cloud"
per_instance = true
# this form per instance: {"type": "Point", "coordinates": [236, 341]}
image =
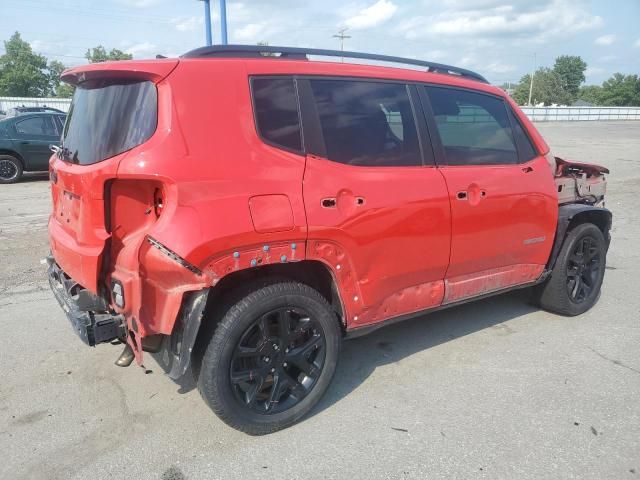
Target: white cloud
{"type": "Point", "coordinates": [499, 67]}
{"type": "Point", "coordinates": [605, 40]}
{"type": "Point", "coordinates": [550, 18]}
{"type": "Point", "coordinates": [187, 24]}
{"type": "Point", "coordinates": [378, 13]}
{"type": "Point", "coordinates": [250, 32]}
{"type": "Point", "coordinates": [591, 71]}
{"type": "Point", "coordinates": [144, 49]}
{"type": "Point", "coordinates": [40, 46]}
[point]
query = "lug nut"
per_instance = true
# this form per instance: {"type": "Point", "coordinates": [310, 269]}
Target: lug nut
{"type": "Point", "coordinates": [284, 364]}
{"type": "Point", "coordinates": [266, 359]}
{"type": "Point", "coordinates": [273, 370]}
{"type": "Point", "coordinates": [275, 347]}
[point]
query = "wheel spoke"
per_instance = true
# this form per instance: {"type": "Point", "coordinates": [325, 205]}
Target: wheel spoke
{"type": "Point", "coordinates": [576, 288]}
{"type": "Point", "coordinates": [263, 326]}
{"type": "Point", "coordinates": [277, 389]}
{"type": "Point", "coordinates": [246, 352]}
{"type": "Point", "coordinates": [299, 356]}
{"type": "Point", "coordinates": [245, 376]}
{"type": "Point", "coordinates": [297, 389]}
{"type": "Point", "coordinates": [284, 326]}
{"type": "Point", "coordinates": [302, 326]}
{"type": "Point", "coordinates": [252, 394]}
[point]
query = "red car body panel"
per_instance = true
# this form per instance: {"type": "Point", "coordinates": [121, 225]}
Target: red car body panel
{"type": "Point", "coordinates": [206, 187]}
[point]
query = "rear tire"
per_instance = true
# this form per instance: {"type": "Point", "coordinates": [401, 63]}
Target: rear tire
{"type": "Point", "coordinates": [10, 169]}
{"type": "Point", "coordinates": [576, 278]}
{"type": "Point", "coordinates": [271, 358]}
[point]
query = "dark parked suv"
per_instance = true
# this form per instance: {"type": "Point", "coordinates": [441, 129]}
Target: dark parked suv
{"type": "Point", "coordinates": [24, 143]}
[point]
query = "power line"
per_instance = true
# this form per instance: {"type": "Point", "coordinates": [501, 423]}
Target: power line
{"type": "Point", "coordinates": [342, 36]}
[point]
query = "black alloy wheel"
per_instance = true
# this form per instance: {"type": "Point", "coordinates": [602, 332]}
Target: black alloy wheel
{"type": "Point", "coordinates": [278, 360]}
{"type": "Point", "coordinates": [10, 169]}
{"type": "Point", "coordinates": [575, 281]}
{"type": "Point", "coordinates": [270, 357]}
{"type": "Point", "coordinates": [583, 269]}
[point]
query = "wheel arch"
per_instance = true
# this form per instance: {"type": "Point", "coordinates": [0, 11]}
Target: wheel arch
{"type": "Point", "coordinates": [233, 286]}
{"type": "Point", "coordinates": [572, 215]}
{"type": "Point", "coordinates": [13, 153]}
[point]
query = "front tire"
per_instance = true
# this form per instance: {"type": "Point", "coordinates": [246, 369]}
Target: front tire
{"type": "Point", "coordinates": [271, 358]}
{"type": "Point", "coordinates": [10, 169]}
{"type": "Point", "coordinates": [576, 278]}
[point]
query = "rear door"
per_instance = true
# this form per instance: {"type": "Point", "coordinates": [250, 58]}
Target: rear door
{"type": "Point", "coordinates": [502, 195]}
{"type": "Point", "coordinates": [34, 134]}
{"type": "Point", "coordinates": [377, 208]}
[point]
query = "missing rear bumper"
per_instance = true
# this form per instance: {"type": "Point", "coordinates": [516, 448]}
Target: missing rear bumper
{"type": "Point", "coordinates": [87, 313]}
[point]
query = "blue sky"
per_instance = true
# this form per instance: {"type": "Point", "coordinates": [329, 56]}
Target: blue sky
{"type": "Point", "coordinates": [496, 38]}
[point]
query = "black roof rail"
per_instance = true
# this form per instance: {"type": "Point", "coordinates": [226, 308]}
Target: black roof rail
{"type": "Point", "coordinates": [258, 51]}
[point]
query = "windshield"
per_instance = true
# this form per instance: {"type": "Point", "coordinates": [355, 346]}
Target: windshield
{"type": "Point", "coordinates": [107, 119]}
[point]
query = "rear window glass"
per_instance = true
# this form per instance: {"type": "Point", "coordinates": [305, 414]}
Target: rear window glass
{"type": "Point", "coordinates": [276, 110]}
{"type": "Point", "coordinates": [474, 128]}
{"type": "Point", "coordinates": [109, 119]}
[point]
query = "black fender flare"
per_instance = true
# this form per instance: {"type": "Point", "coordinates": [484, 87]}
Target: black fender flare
{"type": "Point", "coordinates": [574, 214]}
{"type": "Point", "coordinates": [191, 315]}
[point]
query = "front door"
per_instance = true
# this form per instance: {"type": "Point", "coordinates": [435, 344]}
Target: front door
{"type": "Point", "coordinates": [502, 194]}
{"type": "Point", "coordinates": [376, 211]}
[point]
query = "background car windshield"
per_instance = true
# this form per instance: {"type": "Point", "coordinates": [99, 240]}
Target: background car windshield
{"type": "Point", "coordinates": [108, 120]}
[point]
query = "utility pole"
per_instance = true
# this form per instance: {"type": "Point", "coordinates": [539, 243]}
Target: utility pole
{"type": "Point", "coordinates": [223, 21]}
{"type": "Point", "coordinates": [533, 72]}
{"type": "Point", "coordinates": [207, 22]}
{"type": "Point", "coordinates": [342, 36]}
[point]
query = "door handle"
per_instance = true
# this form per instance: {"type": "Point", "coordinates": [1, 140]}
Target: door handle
{"type": "Point", "coordinates": [25, 142]}
{"type": "Point", "coordinates": [328, 202]}
{"type": "Point", "coordinates": [332, 202]}
{"type": "Point", "coordinates": [464, 195]}
{"type": "Point", "coordinates": [527, 169]}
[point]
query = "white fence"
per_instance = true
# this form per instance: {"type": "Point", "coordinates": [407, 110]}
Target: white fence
{"type": "Point", "coordinates": [536, 114]}
{"type": "Point", "coordinates": [564, 114]}
{"type": "Point", "coordinates": [10, 102]}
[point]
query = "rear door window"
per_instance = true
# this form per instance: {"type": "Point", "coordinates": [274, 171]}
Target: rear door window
{"type": "Point", "coordinates": [36, 126]}
{"type": "Point", "coordinates": [276, 111]}
{"type": "Point", "coordinates": [474, 128]}
{"type": "Point", "coordinates": [367, 123]}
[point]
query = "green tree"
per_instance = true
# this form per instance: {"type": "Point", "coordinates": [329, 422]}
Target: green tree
{"type": "Point", "coordinates": [100, 54]}
{"type": "Point", "coordinates": [547, 89]}
{"type": "Point", "coordinates": [591, 94]}
{"type": "Point", "coordinates": [56, 86]}
{"type": "Point", "coordinates": [23, 73]}
{"type": "Point", "coordinates": [571, 71]}
{"type": "Point", "coordinates": [621, 91]}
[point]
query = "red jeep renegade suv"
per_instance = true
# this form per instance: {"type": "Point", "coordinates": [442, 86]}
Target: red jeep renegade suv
{"type": "Point", "coordinates": [240, 214]}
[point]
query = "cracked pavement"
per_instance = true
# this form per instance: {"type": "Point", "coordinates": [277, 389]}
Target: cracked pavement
{"type": "Point", "coordinates": [493, 389]}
